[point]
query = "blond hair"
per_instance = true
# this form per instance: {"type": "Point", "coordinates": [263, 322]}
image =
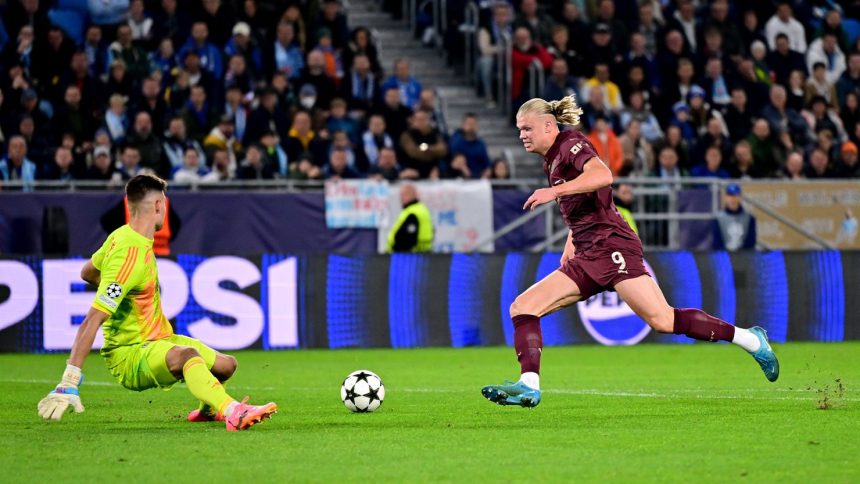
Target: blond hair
{"type": "Point", "coordinates": [565, 110]}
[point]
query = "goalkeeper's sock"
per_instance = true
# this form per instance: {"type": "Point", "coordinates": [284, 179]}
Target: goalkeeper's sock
{"type": "Point", "coordinates": [207, 409]}
{"type": "Point", "coordinates": [203, 385]}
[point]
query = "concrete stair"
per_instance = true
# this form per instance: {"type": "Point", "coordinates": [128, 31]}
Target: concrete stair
{"type": "Point", "coordinates": [394, 40]}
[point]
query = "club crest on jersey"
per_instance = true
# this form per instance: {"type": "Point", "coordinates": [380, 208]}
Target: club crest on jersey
{"type": "Point", "coordinates": [575, 149]}
{"type": "Point", "coordinates": [114, 290]}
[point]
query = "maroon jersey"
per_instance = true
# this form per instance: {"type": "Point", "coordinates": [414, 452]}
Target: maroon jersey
{"type": "Point", "coordinates": [592, 217]}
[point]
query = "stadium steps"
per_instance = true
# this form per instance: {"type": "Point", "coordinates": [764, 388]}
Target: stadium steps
{"type": "Point", "coordinates": [429, 66]}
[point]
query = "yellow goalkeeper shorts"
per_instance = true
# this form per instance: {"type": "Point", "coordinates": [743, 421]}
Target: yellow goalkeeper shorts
{"type": "Point", "coordinates": [144, 366]}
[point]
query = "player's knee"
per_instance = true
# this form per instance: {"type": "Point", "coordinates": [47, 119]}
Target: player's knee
{"type": "Point", "coordinates": [230, 365]}
{"type": "Point", "coordinates": [662, 322]}
{"type": "Point", "coordinates": [180, 356]}
{"type": "Point", "coordinates": [518, 307]}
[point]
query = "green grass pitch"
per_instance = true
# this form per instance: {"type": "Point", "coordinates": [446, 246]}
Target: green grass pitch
{"type": "Point", "coordinates": [648, 413]}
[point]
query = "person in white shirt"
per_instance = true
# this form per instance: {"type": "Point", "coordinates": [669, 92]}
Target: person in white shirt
{"type": "Point", "coordinates": [783, 22]}
{"type": "Point", "coordinates": [825, 49]}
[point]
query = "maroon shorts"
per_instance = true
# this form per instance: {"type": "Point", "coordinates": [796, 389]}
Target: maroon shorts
{"type": "Point", "coordinates": [602, 268]}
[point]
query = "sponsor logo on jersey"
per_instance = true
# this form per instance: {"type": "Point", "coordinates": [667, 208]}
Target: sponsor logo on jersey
{"type": "Point", "coordinates": [108, 302]}
{"type": "Point", "coordinates": [576, 148]}
{"type": "Point", "coordinates": [610, 321]}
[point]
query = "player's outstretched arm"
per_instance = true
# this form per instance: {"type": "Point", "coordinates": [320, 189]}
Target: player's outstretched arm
{"type": "Point", "coordinates": [54, 405]}
{"type": "Point", "coordinates": [595, 175]}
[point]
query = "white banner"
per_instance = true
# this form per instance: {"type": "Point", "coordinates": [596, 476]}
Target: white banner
{"type": "Point", "coordinates": [462, 213]}
{"type": "Point", "coordinates": [351, 204]}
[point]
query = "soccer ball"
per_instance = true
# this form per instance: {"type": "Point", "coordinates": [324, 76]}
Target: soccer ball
{"type": "Point", "coordinates": [362, 391]}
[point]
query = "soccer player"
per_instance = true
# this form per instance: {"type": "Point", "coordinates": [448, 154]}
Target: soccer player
{"type": "Point", "coordinates": [601, 254]}
{"type": "Point", "coordinates": [140, 349]}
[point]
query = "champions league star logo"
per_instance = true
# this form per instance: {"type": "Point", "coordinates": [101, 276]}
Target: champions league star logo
{"type": "Point", "coordinates": [610, 320]}
{"type": "Point", "coordinates": [114, 290]}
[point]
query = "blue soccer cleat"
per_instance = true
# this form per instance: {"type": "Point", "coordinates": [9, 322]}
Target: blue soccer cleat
{"type": "Point", "coordinates": [765, 356]}
{"type": "Point", "coordinates": [511, 393]}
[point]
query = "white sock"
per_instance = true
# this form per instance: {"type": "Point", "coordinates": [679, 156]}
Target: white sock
{"type": "Point", "coordinates": [531, 379]}
{"type": "Point", "coordinates": [746, 340]}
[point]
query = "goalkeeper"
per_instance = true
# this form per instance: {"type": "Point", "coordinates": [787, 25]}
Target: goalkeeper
{"type": "Point", "coordinates": [140, 348]}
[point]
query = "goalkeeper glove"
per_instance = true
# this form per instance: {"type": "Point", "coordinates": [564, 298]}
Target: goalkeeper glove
{"type": "Point", "coordinates": [54, 405]}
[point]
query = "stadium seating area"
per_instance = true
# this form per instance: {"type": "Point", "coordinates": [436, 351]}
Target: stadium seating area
{"type": "Point", "coordinates": [206, 91]}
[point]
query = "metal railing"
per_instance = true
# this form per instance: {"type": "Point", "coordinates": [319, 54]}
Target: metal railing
{"type": "Point", "coordinates": [503, 73]}
{"type": "Point", "coordinates": [469, 28]}
{"type": "Point", "coordinates": [537, 78]}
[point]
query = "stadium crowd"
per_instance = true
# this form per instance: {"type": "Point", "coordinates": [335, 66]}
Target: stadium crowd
{"type": "Point", "coordinates": [682, 87]}
{"type": "Point", "coordinates": [210, 90]}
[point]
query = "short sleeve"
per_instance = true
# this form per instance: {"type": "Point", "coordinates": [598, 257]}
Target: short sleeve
{"type": "Point", "coordinates": [118, 277]}
{"type": "Point", "coordinates": [580, 153]}
{"type": "Point", "coordinates": [98, 256]}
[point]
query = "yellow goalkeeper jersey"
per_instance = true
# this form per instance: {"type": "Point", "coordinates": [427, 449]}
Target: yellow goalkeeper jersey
{"type": "Point", "coordinates": [129, 290]}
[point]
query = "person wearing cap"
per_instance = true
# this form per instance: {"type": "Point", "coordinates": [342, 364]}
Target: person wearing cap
{"type": "Point", "coordinates": [734, 228]}
{"type": "Point", "coordinates": [244, 43]}
{"type": "Point", "coordinates": [848, 167]}
{"type": "Point", "coordinates": [102, 166]}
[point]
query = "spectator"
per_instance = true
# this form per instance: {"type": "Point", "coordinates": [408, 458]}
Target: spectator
{"type": "Point", "coordinates": [140, 24]}
{"type": "Point", "coordinates": [819, 165]}
{"type": "Point", "coordinates": [244, 44]}
{"type": "Point", "coordinates": [338, 120]}
{"type": "Point", "coordinates": [785, 121]}
{"type": "Point", "coordinates": [849, 111]}
{"type": "Point", "coordinates": [16, 166]}
{"type": "Point", "coordinates": [71, 117]}
{"type": "Point", "coordinates": [720, 22]}
{"type": "Point", "coordinates": [622, 195]}
{"type": "Point", "coordinates": [560, 48]}
{"type": "Point", "coordinates": [560, 83]}
{"type": "Point", "coordinates": [294, 16]}
{"type": "Point", "coordinates": [176, 142]}
{"type": "Point", "coordinates": [152, 103]}
{"type": "Point", "coordinates": [234, 107]}
{"type": "Point", "coordinates": [594, 108]}
{"type": "Point", "coordinates": [386, 167]}
{"type": "Point", "coordinates": [238, 74]}
{"type": "Point", "coordinates": [734, 228]}
{"type": "Point", "coordinates": [361, 86]}
{"type": "Point", "coordinates": [715, 135]}
{"type": "Point", "coordinates": [314, 74]}
{"type": "Point", "coordinates": [712, 165]}
{"type": "Point", "coordinates": [220, 168]}
{"type": "Point", "coordinates": [333, 63]}
{"type": "Point", "coordinates": [644, 60]}
{"type": "Point", "coordinates": [783, 22]}
{"type": "Point", "coordinates": [298, 144]}
{"type": "Point", "coordinates": [423, 146]}
{"type": "Point", "coordinates": [102, 167]}
{"type": "Point", "coordinates": [850, 79]}
{"type": "Point", "coordinates": [636, 150]}
{"type": "Point", "coordinates": [269, 115]}
{"type": "Point", "coordinates": [197, 75]}
{"type": "Point", "coordinates": [637, 110]}
{"type": "Point", "coordinates": [52, 57]}
{"type": "Point", "coordinates": [681, 83]}
{"type": "Point", "coordinates": [408, 87]}
{"type": "Point", "coordinates": [340, 141]}
{"type": "Point", "coordinates": [129, 163]}
{"type": "Point", "coordinates": [539, 23]}
{"type": "Point", "coordinates": [610, 89]}
{"type": "Point", "coordinates": [848, 167]}
{"type": "Point", "coordinates": [684, 22]}
{"type": "Point", "coordinates": [199, 117]}
{"type": "Point", "coordinates": [219, 19]}
{"type": "Point", "coordinates": [396, 115]}
{"type": "Point", "coordinates": [523, 54]}
{"type": "Point", "coordinates": [332, 19]}
{"type": "Point", "coordinates": [766, 152]}
{"type": "Point", "coordinates": [427, 102]}
{"type": "Point", "coordinates": [338, 166]}
{"type": "Point", "coordinates": [577, 28]}
{"type": "Point", "coordinates": [826, 51]}
{"type": "Point", "coordinates": [96, 52]}
{"type": "Point", "coordinates": [119, 82]}
{"type": "Point", "coordinates": [833, 24]}
{"type": "Point", "coordinates": [89, 87]}
{"type": "Point", "coordinates": [793, 169]}
{"type": "Point", "coordinates": [649, 27]}
{"type": "Point", "coordinates": [737, 115]}
{"type": "Point", "coordinates": [819, 85]}
{"type": "Point", "coordinates": [38, 146]}
{"type": "Point", "coordinates": [208, 53]}
{"type": "Point", "coordinates": [253, 166]}
{"type": "Point", "coordinates": [681, 120]}
{"type": "Point", "coordinates": [821, 118]}
{"type": "Point", "coordinates": [501, 171]}
{"type": "Point", "coordinates": [275, 155]}
{"type": "Point", "coordinates": [134, 58]}
{"type": "Point", "coordinates": [148, 145]}
{"type": "Point", "coordinates": [362, 45]}
{"type": "Point", "coordinates": [221, 138]}
{"type": "Point", "coordinates": [285, 55]}
{"type": "Point", "coordinates": [374, 140]}
{"type": "Point", "coordinates": [783, 59]}
{"type": "Point", "coordinates": [108, 14]}
{"type": "Point", "coordinates": [716, 84]}
{"type": "Point", "coordinates": [743, 164]}
{"type": "Point", "coordinates": [465, 141]}
{"type": "Point", "coordinates": [607, 145]}
{"type": "Point", "coordinates": [614, 25]}
{"type": "Point", "coordinates": [796, 91]}
{"type": "Point", "coordinates": [489, 46]}
{"type": "Point", "coordinates": [171, 22]}
{"type": "Point", "coordinates": [116, 120]}
{"type": "Point", "coordinates": [62, 169]}
{"type": "Point", "coordinates": [667, 168]}
{"type": "Point", "coordinates": [191, 170]}
{"type": "Point", "coordinates": [165, 61]}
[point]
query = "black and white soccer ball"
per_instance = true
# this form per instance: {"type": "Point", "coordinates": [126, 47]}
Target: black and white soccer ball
{"type": "Point", "coordinates": [362, 391]}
